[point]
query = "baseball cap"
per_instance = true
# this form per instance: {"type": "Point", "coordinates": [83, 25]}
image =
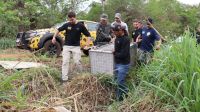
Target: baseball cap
{"type": "Point", "coordinates": [104, 17]}
{"type": "Point", "coordinates": [150, 20]}
{"type": "Point", "coordinates": [118, 27]}
{"type": "Point", "coordinates": [118, 15]}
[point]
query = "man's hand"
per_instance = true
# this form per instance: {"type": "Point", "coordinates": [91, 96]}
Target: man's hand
{"type": "Point", "coordinates": [94, 47]}
{"type": "Point", "coordinates": [54, 37]}
{"type": "Point", "coordinates": [86, 48]}
{"type": "Point", "coordinates": [90, 39]}
{"type": "Point", "coordinates": [112, 40]}
{"type": "Point", "coordinates": [113, 51]}
{"type": "Point", "coordinates": [158, 43]}
{"type": "Point", "coordinates": [53, 40]}
{"type": "Point", "coordinates": [157, 47]}
{"type": "Point", "coordinates": [138, 40]}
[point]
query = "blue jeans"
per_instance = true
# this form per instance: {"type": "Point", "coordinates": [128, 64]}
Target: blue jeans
{"type": "Point", "coordinates": [121, 71]}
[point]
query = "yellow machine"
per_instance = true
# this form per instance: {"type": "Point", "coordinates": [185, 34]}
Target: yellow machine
{"type": "Point", "coordinates": [41, 38]}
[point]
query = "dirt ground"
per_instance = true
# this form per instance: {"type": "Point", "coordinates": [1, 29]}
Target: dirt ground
{"type": "Point", "coordinates": [79, 90]}
{"type": "Point", "coordinates": [15, 53]}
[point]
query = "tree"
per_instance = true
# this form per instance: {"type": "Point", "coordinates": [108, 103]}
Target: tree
{"type": "Point", "coordinates": [22, 15]}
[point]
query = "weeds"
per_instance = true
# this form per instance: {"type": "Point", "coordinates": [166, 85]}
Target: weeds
{"type": "Point", "coordinates": [176, 73]}
{"type": "Point", "coordinates": [6, 43]}
{"type": "Point", "coordinates": [171, 82]}
{"type": "Point", "coordinates": [25, 85]}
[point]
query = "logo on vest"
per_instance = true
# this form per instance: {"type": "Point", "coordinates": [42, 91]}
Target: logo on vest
{"type": "Point", "coordinates": [143, 32]}
{"type": "Point", "coordinates": [148, 33]}
{"type": "Point", "coordinates": [69, 28]}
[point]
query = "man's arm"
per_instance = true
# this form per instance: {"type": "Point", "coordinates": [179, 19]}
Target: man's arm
{"type": "Point", "coordinates": [158, 43]}
{"type": "Point", "coordinates": [161, 37]}
{"type": "Point", "coordinates": [87, 34]}
{"type": "Point", "coordinates": [85, 31]}
{"type": "Point", "coordinates": [63, 27]}
{"type": "Point", "coordinates": [158, 40]}
{"type": "Point", "coordinates": [54, 37]}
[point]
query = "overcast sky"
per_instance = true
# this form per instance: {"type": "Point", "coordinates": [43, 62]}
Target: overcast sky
{"type": "Point", "coordinates": [190, 2]}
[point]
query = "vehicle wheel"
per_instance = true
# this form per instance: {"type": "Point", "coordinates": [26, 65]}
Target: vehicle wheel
{"type": "Point", "coordinates": [52, 49]}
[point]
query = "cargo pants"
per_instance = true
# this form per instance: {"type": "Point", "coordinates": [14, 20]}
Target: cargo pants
{"type": "Point", "coordinates": [76, 53]}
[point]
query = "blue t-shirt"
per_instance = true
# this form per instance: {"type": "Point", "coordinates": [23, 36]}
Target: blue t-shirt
{"type": "Point", "coordinates": [149, 36]}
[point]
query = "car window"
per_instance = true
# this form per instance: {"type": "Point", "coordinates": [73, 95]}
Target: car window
{"type": "Point", "coordinates": [58, 25]}
{"type": "Point", "coordinates": [91, 26]}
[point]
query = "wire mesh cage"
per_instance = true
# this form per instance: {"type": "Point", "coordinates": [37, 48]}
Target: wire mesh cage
{"type": "Point", "coordinates": [102, 59]}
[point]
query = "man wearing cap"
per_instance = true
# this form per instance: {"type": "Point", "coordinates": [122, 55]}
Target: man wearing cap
{"type": "Point", "coordinates": [72, 42]}
{"type": "Point", "coordinates": [104, 32]}
{"type": "Point", "coordinates": [122, 60]}
{"type": "Point", "coordinates": [119, 21]}
{"type": "Point", "coordinates": [149, 37]}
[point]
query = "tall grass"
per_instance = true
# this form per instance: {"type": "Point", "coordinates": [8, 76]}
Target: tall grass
{"type": "Point", "coordinates": [171, 82]}
{"type": "Point", "coordinates": [7, 43]}
{"type": "Point", "coordinates": [174, 74]}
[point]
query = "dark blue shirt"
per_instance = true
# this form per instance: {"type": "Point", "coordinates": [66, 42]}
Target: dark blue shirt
{"type": "Point", "coordinates": [149, 36]}
{"type": "Point", "coordinates": [73, 33]}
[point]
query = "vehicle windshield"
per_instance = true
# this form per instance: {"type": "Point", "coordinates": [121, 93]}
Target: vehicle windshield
{"type": "Point", "coordinates": [58, 25]}
{"type": "Point", "coordinates": [91, 26]}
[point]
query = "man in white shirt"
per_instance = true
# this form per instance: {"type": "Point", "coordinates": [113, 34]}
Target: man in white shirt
{"type": "Point", "coordinates": [118, 21]}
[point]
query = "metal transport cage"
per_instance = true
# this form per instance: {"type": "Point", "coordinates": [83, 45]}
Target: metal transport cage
{"type": "Point", "coordinates": [102, 59]}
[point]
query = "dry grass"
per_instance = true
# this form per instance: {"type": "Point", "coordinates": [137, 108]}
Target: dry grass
{"type": "Point", "coordinates": [88, 93]}
{"type": "Point", "coordinates": [83, 93]}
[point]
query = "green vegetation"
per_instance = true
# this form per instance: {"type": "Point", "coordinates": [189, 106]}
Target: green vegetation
{"type": "Point", "coordinates": [23, 15]}
{"type": "Point", "coordinates": [170, 17]}
{"type": "Point", "coordinates": [7, 43]}
{"type": "Point", "coordinates": [171, 82]}
{"type": "Point", "coordinates": [175, 74]}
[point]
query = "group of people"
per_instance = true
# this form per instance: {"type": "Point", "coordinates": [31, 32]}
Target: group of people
{"type": "Point", "coordinates": [117, 32]}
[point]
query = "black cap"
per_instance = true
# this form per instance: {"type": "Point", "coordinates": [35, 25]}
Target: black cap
{"type": "Point", "coordinates": [104, 16]}
{"type": "Point", "coordinates": [150, 20]}
{"type": "Point", "coordinates": [118, 27]}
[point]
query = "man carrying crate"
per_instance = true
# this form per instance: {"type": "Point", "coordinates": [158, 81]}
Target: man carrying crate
{"type": "Point", "coordinates": [118, 20]}
{"type": "Point", "coordinates": [103, 32]}
{"type": "Point", "coordinates": [122, 60]}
